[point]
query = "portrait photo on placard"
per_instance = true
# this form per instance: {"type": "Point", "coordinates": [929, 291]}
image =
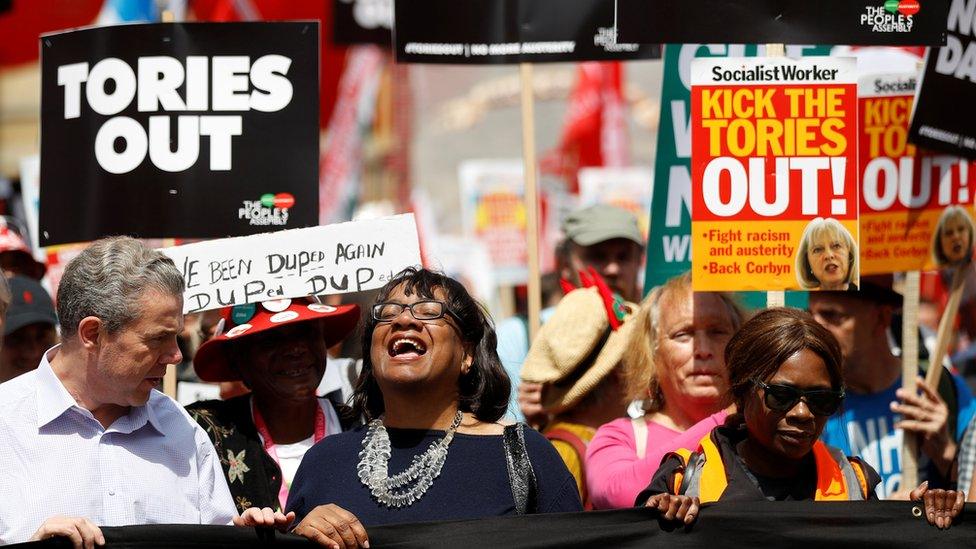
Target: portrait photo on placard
{"type": "Point", "coordinates": [952, 240]}
{"type": "Point", "coordinates": [827, 257]}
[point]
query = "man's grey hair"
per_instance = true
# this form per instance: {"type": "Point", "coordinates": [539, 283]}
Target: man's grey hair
{"type": "Point", "coordinates": [107, 279]}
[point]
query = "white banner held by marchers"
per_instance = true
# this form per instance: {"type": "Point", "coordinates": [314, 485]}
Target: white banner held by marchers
{"type": "Point", "coordinates": [324, 260]}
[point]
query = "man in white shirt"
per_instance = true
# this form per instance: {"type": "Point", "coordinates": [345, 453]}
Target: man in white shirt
{"type": "Point", "coordinates": [85, 440]}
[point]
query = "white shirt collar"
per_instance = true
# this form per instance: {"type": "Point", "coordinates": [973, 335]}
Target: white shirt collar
{"type": "Point", "coordinates": [53, 400]}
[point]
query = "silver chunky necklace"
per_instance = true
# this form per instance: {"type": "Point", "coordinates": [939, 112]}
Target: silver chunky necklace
{"type": "Point", "coordinates": [402, 489]}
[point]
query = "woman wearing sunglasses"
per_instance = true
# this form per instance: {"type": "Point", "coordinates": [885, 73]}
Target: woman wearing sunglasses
{"type": "Point", "coordinates": [785, 378]}
{"type": "Point", "coordinates": [432, 390]}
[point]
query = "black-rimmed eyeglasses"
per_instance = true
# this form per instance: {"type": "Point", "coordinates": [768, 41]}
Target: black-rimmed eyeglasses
{"type": "Point", "coordinates": [781, 398]}
{"type": "Point", "coordinates": [428, 309]}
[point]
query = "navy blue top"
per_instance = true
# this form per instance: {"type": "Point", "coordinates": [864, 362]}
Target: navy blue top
{"type": "Point", "coordinates": [474, 482]}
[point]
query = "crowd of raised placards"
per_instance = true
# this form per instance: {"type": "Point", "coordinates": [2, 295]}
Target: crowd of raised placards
{"type": "Point", "coordinates": [416, 405]}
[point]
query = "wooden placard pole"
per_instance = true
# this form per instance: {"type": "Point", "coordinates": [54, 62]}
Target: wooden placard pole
{"type": "Point", "coordinates": [909, 372]}
{"type": "Point", "coordinates": [776, 298]}
{"type": "Point", "coordinates": [507, 301]}
{"type": "Point", "coordinates": [169, 381]}
{"type": "Point", "coordinates": [946, 325]}
{"type": "Point", "coordinates": [909, 367]}
{"type": "Point", "coordinates": [169, 378]}
{"type": "Point", "coordinates": [531, 199]}
{"type": "Point", "coordinates": [775, 50]}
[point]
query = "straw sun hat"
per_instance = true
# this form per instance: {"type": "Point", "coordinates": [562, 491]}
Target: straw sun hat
{"type": "Point", "coordinates": [576, 349]}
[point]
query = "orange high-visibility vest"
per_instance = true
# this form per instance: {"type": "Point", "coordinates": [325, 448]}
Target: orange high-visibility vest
{"type": "Point", "coordinates": [838, 478]}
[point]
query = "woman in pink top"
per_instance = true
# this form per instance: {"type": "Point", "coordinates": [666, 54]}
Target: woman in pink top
{"type": "Point", "coordinates": [676, 365]}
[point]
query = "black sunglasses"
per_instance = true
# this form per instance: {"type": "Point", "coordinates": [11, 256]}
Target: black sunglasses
{"type": "Point", "coordinates": [781, 398]}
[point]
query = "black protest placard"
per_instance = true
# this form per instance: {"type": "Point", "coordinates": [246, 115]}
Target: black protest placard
{"type": "Point", "coordinates": [485, 32]}
{"type": "Point", "coordinates": [362, 22]}
{"type": "Point", "coordinates": [854, 22]}
{"type": "Point", "coordinates": [187, 130]}
{"type": "Point", "coordinates": [944, 117]}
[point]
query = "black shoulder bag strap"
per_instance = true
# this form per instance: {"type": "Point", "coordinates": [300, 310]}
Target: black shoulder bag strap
{"type": "Point", "coordinates": [520, 473]}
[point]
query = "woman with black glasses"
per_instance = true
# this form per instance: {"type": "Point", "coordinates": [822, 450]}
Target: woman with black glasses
{"type": "Point", "coordinates": [432, 391]}
{"type": "Point", "coordinates": [785, 378]}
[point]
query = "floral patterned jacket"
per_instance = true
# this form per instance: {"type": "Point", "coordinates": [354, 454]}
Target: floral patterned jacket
{"type": "Point", "coordinates": [252, 475]}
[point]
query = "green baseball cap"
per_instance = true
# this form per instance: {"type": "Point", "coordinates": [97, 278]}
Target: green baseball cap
{"type": "Point", "coordinates": [600, 223]}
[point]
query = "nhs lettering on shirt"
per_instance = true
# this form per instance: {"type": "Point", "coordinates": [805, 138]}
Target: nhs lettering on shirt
{"type": "Point", "coordinates": [865, 427]}
{"type": "Point", "coordinates": [877, 442]}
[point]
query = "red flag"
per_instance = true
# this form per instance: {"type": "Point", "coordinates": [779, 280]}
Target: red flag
{"type": "Point", "coordinates": [614, 144]}
{"type": "Point", "coordinates": [398, 161]}
{"type": "Point", "coordinates": [342, 154]}
{"type": "Point", "coordinates": [595, 130]}
{"type": "Point", "coordinates": [20, 27]}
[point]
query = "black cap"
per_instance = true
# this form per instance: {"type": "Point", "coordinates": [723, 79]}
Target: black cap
{"type": "Point", "coordinates": [29, 304]}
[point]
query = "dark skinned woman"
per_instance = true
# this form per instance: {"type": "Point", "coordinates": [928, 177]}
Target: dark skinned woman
{"type": "Point", "coordinates": [278, 349]}
{"type": "Point", "coordinates": [785, 377]}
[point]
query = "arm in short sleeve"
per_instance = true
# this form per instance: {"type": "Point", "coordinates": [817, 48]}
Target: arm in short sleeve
{"type": "Point", "coordinates": [512, 346]}
{"type": "Point", "coordinates": [614, 474]}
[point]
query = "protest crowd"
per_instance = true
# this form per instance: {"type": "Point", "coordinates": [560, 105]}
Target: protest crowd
{"type": "Point", "coordinates": [787, 326]}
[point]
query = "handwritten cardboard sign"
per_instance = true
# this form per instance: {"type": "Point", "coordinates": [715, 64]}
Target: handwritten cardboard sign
{"type": "Point", "coordinates": [774, 173]}
{"type": "Point", "coordinates": [330, 259]}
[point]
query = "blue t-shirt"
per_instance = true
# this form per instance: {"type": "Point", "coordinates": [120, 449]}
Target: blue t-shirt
{"type": "Point", "coordinates": [473, 483]}
{"type": "Point", "coordinates": [513, 347]}
{"type": "Point", "coordinates": [865, 427]}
